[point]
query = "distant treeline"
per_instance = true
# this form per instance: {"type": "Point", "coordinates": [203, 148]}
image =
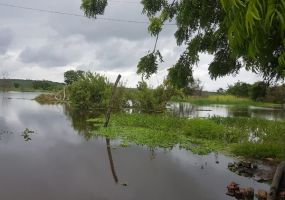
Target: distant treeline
{"type": "Point", "coordinates": [29, 85]}
{"type": "Point", "coordinates": [259, 91]}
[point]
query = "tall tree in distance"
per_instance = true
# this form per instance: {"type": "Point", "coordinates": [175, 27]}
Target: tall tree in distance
{"type": "Point", "coordinates": [71, 76]}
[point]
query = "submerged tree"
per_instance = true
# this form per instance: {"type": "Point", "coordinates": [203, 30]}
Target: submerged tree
{"type": "Point", "coordinates": [236, 32]}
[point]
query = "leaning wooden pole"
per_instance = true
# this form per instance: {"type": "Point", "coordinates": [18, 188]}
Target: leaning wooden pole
{"type": "Point", "coordinates": [107, 119]}
{"type": "Point", "coordinates": [276, 181]}
{"type": "Point", "coordinates": [109, 109]}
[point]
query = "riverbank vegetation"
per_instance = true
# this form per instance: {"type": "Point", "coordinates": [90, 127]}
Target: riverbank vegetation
{"type": "Point", "coordinates": [21, 85]}
{"type": "Point", "coordinates": [223, 99]}
{"type": "Point", "coordinates": [151, 125]}
{"type": "Point", "coordinates": [86, 90]}
{"type": "Point", "coordinates": [247, 137]}
{"type": "Point", "coordinates": [242, 94]}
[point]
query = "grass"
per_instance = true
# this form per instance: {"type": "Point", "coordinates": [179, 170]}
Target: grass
{"type": "Point", "coordinates": [224, 99]}
{"type": "Point", "coordinates": [199, 135]}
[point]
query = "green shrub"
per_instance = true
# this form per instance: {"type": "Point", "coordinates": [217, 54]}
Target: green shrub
{"type": "Point", "coordinates": [276, 94]}
{"type": "Point", "coordinates": [90, 91]}
{"type": "Point", "coordinates": [150, 100]}
{"type": "Point", "coordinates": [239, 89]}
{"type": "Point", "coordinates": [258, 91]}
{"type": "Point", "coordinates": [259, 150]}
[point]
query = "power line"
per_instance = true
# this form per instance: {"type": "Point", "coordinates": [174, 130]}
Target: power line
{"type": "Point", "coordinates": [128, 2]}
{"type": "Point", "coordinates": [76, 15]}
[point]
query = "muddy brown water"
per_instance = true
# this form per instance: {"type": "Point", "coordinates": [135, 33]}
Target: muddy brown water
{"type": "Point", "coordinates": [62, 161]}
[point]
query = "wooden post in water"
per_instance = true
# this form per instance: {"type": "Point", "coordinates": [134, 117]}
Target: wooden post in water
{"type": "Point", "coordinates": [109, 109]}
{"type": "Point", "coordinates": [107, 118]}
{"type": "Point", "coordinates": [276, 181]}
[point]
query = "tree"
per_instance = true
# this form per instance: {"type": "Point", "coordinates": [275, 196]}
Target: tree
{"type": "Point", "coordinates": [194, 88]}
{"type": "Point", "coordinates": [239, 89]}
{"type": "Point", "coordinates": [90, 91]}
{"type": "Point", "coordinates": [16, 85]}
{"type": "Point", "coordinates": [238, 33]}
{"type": "Point", "coordinates": [72, 76]}
{"type": "Point", "coordinates": [151, 100]}
{"type": "Point", "coordinates": [276, 94]}
{"type": "Point", "coordinates": [258, 91]}
{"type": "Point", "coordinates": [256, 31]}
{"type": "Point", "coordinates": [220, 91]}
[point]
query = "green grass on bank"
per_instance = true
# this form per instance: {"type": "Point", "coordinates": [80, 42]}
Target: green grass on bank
{"type": "Point", "coordinates": [200, 135]}
{"type": "Point", "coordinates": [223, 99]}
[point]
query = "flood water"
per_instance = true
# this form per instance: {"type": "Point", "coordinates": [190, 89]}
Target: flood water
{"type": "Point", "coordinates": [189, 110]}
{"type": "Point", "coordinates": [62, 162]}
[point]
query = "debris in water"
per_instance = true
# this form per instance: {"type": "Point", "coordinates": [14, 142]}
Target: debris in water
{"type": "Point", "coordinates": [124, 184]}
{"type": "Point", "coordinates": [248, 169]}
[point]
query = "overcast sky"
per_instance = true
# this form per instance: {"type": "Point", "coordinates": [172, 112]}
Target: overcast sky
{"type": "Point", "coordinates": [36, 45]}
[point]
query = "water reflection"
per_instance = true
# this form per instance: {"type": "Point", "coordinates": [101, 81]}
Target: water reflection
{"type": "Point", "coordinates": [189, 110]}
{"type": "Point", "coordinates": [79, 118]}
{"type": "Point", "coordinates": [63, 161]}
{"type": "Point", "coordinates": [112, 166]}
{"type": "Point", "coordinates": [27, 134]}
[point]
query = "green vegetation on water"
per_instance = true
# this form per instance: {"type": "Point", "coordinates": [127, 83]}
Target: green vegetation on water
{"type": "Point", "coordinates": [247, 137]}
{"type": "Point", "coordinates": [224, 100]}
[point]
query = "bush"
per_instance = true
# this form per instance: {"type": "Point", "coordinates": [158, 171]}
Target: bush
{"type": "Point", "coordinates": [276, 94]}
{"type": "Point", "coordinates": [258, 91]}
{"type": "Point", "coordinates": [150, 100]}
{"type": "Point", "coordinates": [90, 91]}
{"type": "Point", "coordinates": [239, 89]}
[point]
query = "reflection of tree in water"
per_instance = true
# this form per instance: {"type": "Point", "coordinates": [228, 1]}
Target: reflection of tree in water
{"type": "Point", "coordinates": [182, 109]}
{"type": "Point", "coordinates": [237, 111]}
{"type": "Point", "coordinates": [26, 134]}
{"type": "Point", "coordinates": [78, 119]}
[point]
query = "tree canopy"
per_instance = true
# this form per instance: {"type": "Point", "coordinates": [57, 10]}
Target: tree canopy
{"type": "Point", "coordinates": [256, 31]}
{"type": "Point", "coordinates": [71, 76]}
{"type": "Point", "coordinates": [238, 33]}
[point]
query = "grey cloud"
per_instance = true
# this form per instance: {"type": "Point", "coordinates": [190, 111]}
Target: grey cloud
{"type": "Point", "coordinates": [6, 37]}
{"type": "Point", "coordinates": [55, 53]}
{"type": "Point", "coordinates": [50, 40]}
{"type": "Point", "coordinates": [119, 54]}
